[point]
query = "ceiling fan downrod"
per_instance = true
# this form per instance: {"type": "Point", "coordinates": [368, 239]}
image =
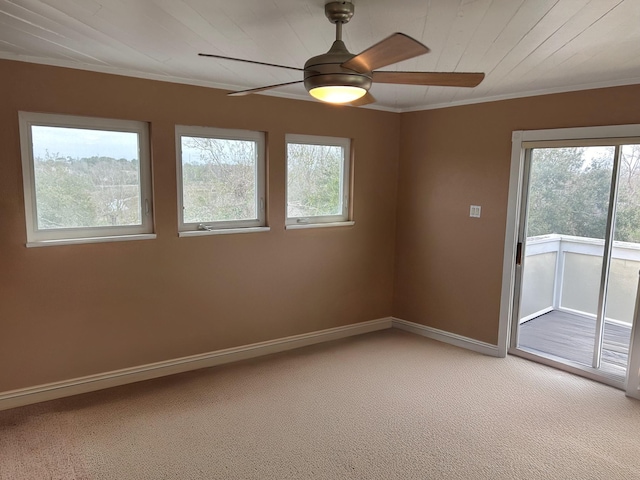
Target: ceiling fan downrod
{"type": "Point", "coordinates": [339, 13]}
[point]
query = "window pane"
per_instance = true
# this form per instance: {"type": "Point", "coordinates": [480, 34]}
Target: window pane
{"type": "Point", "coordinates": [569, 191]}
{"type": "Point", "coordinates": [219, 179]}
{"type": "Point", "coordinates": [628, 206]}
{"type": "Point", "coordinates": [314, 180]}
{"type": "Point", "coordinates": [85, 177]}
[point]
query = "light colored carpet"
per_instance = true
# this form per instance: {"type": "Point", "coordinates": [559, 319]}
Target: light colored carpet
{"type": "Point", "coordinates": [386, 405]}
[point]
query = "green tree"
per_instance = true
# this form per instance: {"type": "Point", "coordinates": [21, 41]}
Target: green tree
{"type": "Point", "coordinates": [628, 206]}
{"type": "Point", "coordinates": [589, 200]}
{"type": "Point", "coordinates": [63, 197]}
{"type": "Point", "coordinates": [568, 192]}
{"type": "Point", "coordinates": [87, 192]}
{"type": "Point", "coordinates": [551, 179]}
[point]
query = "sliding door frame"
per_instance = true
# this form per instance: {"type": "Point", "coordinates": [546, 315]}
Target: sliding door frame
{"type": "Point", "coordinates": [633, 366]}
{"type": "Point", "coordinates": [606, 260]}
{"type": "Point", "coordinates": [521, 141]}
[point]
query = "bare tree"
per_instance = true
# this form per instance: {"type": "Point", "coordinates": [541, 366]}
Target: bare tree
{"type": "Point", "coordinates": [313, 179]}
{"type": "Point", "coordinates": [220, 184]}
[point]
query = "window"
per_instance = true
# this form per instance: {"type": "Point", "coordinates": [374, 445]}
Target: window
{"type": "Point", "coordinates": [221, 180]}
{"type": "Point", "coordinates": [317, 181]}
{"type": "Point", "coordinates": [85, 179]}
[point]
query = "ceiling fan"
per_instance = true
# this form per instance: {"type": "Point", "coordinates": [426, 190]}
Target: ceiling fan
{"type": "Point", "coordinates": [339, 76]}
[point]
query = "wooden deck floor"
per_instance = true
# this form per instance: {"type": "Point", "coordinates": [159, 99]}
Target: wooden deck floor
{"type": "Point", "coordinates": [571, 337]}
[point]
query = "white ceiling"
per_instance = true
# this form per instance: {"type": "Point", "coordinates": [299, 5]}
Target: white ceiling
{"type": "Point", "coordinates": [524, 46]}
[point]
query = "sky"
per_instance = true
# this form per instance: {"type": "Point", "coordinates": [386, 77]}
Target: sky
{"type": "Point", "coordinates": [81, 143]}
{"type": "Point", "coordinates": [86, 143]}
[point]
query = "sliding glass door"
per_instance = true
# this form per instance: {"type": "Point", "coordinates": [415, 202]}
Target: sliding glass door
{"type": "Point", "coordinates": [578, 256]}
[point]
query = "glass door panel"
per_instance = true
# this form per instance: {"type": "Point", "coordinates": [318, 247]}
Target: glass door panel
{"type": "Point", "coordinates": [625, 266]}
{"type": "Point", "coordinates": [563, 253]}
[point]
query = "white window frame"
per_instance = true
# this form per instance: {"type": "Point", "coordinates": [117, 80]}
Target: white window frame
{"type": "Point", "coordinates": [43, 237]}
{"type": "Point", "coordinates": [228, 226]}
{"type": "Point", "coordinates": [342, 219]}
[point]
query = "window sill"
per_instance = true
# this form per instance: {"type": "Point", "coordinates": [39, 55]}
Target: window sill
{"type": "Point", "coordinates": [223, 231]}
{"type": "Point", "coordinates": [78, 241]}
{"type": "Point", "coordinates": [301, 226]}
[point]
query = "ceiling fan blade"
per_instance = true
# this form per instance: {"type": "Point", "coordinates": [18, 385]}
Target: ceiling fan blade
{"type": "Point", "coordinates": [364, 100]}
{"type": "Point", "coordinates": [443, 79]}
{"type": "Point", "coordinates": [392, 49]}
{"type": "Point", "coordinates": [240, 93]}
{"type": "Point", "coordinates": [250, 61]}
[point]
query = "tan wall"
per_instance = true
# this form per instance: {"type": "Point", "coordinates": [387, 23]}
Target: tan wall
{"type": "Point", "coordinates": [69, 311]}
{"type": "Point", "coordinates": [449, 266]}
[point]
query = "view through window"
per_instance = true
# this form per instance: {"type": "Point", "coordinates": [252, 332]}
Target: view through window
{"type": "Point", "coordinates": [221, 178]}
{"type": "Point", "coordinates": [85, 177]}
{"type": "Point", "coordinates": [317, 179]}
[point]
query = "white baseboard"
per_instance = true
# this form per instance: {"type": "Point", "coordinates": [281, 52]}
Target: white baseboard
{"type": "Point", "coordinates": [447, 337]}
{"type": "Point", "coordinates": [51, 391]}
{"type": "Point", "coordinates": [66, 388]}
{"type": "Point", "coordinates": [535, 315]}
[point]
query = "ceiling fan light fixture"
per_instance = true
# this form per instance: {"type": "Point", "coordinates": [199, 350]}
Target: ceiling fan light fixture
{"type": "Point", "coordinates": [337, 93]}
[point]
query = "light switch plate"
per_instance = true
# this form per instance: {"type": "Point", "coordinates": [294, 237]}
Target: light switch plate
{"type": "Point", "coordinates": [474, 211]}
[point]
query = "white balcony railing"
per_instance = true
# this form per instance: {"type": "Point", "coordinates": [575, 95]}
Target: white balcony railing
{"type": "Point", "coordinates": [563, 272]}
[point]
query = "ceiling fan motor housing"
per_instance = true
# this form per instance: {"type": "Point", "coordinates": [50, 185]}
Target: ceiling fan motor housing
{"type": "Point", "coordinates": [325, 70]}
